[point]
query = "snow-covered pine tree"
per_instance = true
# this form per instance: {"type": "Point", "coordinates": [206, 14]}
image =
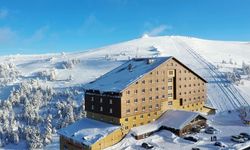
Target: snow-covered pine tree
{"type": "Point", "coordinates": [48, 130]}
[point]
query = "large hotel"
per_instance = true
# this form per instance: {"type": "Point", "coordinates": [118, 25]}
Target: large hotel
{"type": "Point", "coordinates": [135, 94]}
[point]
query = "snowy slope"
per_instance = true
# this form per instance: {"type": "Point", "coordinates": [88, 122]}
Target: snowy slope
{"type": "Point", "coordinates": [95, 63]}
{"type": "Point", "coordinates": [66, 73]}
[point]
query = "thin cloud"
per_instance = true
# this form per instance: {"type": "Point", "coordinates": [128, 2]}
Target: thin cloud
{"type": "Point", "coordinates": [38, 35]}
{"type": "Point", "coordinates": [158, 30]}
{"type": "Point", "coordinates": [6, 35]}
{"type": "Point", "coordinates": [3, 13]}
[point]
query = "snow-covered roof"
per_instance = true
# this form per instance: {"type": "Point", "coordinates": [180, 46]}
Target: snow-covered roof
{"type": "Point", "coordinates": [122, 76]}
{"type": "Point", "coordinates": [176, 119]}
{"type": "Point", "coordinates": [87, 131]}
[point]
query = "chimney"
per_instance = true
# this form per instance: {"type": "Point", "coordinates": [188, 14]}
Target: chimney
{"type": "Point", "coordinates": [130, 67]}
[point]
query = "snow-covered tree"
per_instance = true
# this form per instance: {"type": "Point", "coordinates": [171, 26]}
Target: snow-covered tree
{"type": "Point", "coordinates": [48, 130]}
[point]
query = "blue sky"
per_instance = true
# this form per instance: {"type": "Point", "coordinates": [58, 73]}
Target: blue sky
{"type": "Point", "coordinates": [46, 26]}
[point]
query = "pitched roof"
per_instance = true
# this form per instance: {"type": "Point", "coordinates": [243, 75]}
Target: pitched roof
{"type": "Point", "coordinates": [118, 79]}
{"type": "Point", "coordinates": [88, 131]}
{"type": "Point", "coordinates": [176, 119]}
{"type": "Point", "coordinates": [121, 77]}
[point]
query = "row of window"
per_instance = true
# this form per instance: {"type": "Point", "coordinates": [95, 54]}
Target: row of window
{"type": "Point", "coordinates": [170, 95]}
{"type": "Point", "coordinates": [157, 89]}
{"type": "Point", "coordinates": [190, 92]}
{"type": "Point", "coordinates": [191, 85]}
{"type": "Point", "coordinates": [101, 100]}
{"type": "Point", "coordinates": [192, 105]}
{"type": "Point", "coordinates": [142, 116]}
{"type": "Point", "coordinates": [143, 108]}
{"type": "Point", "coordinates": [194, 98]}
{"type": "Point", "coordinates": [101, 109]}
{"type": "Point", "coordinates": [157, 80]}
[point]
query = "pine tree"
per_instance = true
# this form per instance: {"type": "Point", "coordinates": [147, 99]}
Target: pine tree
{"type": "Point", "coordinates": [48, 130]}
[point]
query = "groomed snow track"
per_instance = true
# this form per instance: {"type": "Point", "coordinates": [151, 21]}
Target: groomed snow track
{"type": "Point", "coordinates": [222, 94]}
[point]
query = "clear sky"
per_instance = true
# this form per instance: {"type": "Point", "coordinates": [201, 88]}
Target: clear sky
{"type": "Point", "coordinates": [46, 26]}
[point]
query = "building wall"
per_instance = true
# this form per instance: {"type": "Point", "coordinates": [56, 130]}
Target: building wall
{"type": "Point", "coordinates": [68, 144]}
{"type": "Point", "coordinates": [103, 103]}
{"type": "Point", "coordinates": [169, 86]}
{"type": "Point", "coordinates": [107, 141]}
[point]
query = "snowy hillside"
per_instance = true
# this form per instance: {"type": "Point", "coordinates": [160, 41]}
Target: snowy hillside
{"type": "Point", "coordinates": [36, 88]}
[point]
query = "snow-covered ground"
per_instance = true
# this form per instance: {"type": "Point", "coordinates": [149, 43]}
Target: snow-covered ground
{"type": "Point", "coordinates": [165, 140]}
{"type": "Point", "coordinates": [65, 74]}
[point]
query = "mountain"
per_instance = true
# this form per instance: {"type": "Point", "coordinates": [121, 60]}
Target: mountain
{"type": "Point", "coordinates": [34, 86]}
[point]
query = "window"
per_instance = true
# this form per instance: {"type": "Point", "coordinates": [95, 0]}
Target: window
{"type": "Point", "coordinates": [157, 89]}
{"type": "Point", "coordinates": [150, 89]}
{"type": "Point", "coordinates": [92, 99]}
{"type": "Point", "coordinates": [170, 87]}
{"type": "Point", "coordinates": [163, 88]}
{"type": "Point", "coordinates": [157, 80]}
{"type": "Point", "coordinates": [170, 103]}
{"type": "Point", "coordinates": [110, 101]}
{"type": "Point", "coordinates": [149, 115]}
{"type": "Point", "coordinates": [150, 107]}
{"type": "Point", "coordinates": [128, 92]}
{"type": "Point", "coordinates": [143, 108]}
{"type": "Point", "coordinates": [126, 119]}
{"type": "Point", "coordinates": [170, 95]}
{"type": "Point", "coordinates": [143, 90]}
{"type": "Point", "coordinates": [101, 109]}
{"type": "Point", "coordinates": [65, 147]}
{"type": "Point", "coordinates": [128, 101]}
{"type": "Point", "coordinates": [143, 99]}
{"type": "Point", "coordinates": [136, 91]}
{"type": "Point", "coordinates": [163, 96]}
{"type": "Point", "coordinates": [150, 98]}
{"type": "Point", "coordinates": [150, 81]}
{"type": "Point", "coordinates": [170, 80]}
{"type": "Point", "coordinates": [181, 102]}
{"type": "Point", "coordinates": [141, 116]}
{"type": "Point", "coordinates": [170, 72]}
{"type": "Point", "coordinates": [143, 81]}
{"type": "Point", "coordinates": [100, 100]}
{"type": "Point", "coordinates": [136, 109]}
{"type": "Point", "coordinates": [92, 107]}
{"type": "Point", "coordinates": [157, 106]}
{"type": "Point", "coordinates": [128, 111]}
{"type": "Point", "coordinates": [134, 125]}
{"type": "Point", "coordinates": [163, 80]}
{"type": "Point", "coordinates": [126, 128]}
{"type": "Point", "coordinates": [111, 110]}
{"type": "Point", "coordinates": [136, 100]}
{"type": "Point", "coordinates": [157, 97]}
